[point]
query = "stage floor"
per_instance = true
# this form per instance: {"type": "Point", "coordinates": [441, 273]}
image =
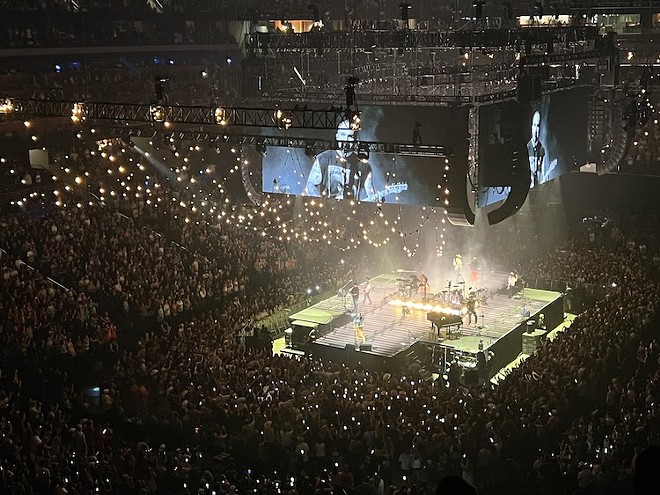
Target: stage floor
{"type": "Point", "coordinates": [389, 331]}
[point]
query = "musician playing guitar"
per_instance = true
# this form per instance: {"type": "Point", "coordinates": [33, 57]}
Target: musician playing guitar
{"type": "Point", "coordinates": [342, 174]}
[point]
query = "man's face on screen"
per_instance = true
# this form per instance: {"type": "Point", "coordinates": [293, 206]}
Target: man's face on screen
{"type": "Point", "coordinates": [536, 127]}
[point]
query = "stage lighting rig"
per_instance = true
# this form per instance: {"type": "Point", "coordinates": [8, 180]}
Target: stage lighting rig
{"type": "Point", "coordinates": [157, 113]}
{"type": "Point", "coordinates": [7, 106]}
{"type": "Point", "coordinates": [283, 119]}
{"type": "Point", "coordinates": [352, 110]}
{"type": "Point", "coordinates": [78, 113]}
{"type": "Point", "coordinates": [355, 120]}
{"type": "Point", "coordinates": [220, 115]}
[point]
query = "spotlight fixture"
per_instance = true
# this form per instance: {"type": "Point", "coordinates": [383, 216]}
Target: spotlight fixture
{"type": "Point", "coordinates": [220, 115]}
{"type": "Point", "coordinates": [283, 119]}
{"type": "Point", "coordinates": [6, 106]}
{"type": "Point", "coordinates": [157, 113]}
{"type": "Point", "coordinates": [356, 122]}
{"type": "Point", "coordinates": [78, 113]}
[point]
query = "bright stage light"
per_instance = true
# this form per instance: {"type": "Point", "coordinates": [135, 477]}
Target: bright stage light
{"type": "Point", "coordinates": [427, 307]}
{"type": "Point", "coordinates": [7, 106]}
{"type": "Point", "coordinates": [356, 122]}
{"type": "Point", "coordinates": [157, 113]}
{"type": "Point", "coordinates": [220, 116]}
{"type": "Point", "coordinates": [283, 119]}
{"type": "Point", "coordinates": [78, 113]}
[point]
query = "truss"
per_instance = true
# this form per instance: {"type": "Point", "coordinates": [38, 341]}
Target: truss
{"type": "Point", "coordinates": [485, 38]}
{"type": "Point", "coordinates": [193, 115]}
{"type": "Point", "coordinates": [216, 138]}
{"type": "Point", "coordinates": [115, 118]}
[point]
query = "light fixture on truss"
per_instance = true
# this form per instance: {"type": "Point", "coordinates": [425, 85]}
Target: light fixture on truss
{"type": "Point", "coordinates": [78, 113]}
{"type": "Point", "coordinates": [6, 106]}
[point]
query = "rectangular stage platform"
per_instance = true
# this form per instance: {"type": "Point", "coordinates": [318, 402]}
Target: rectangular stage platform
{"type": "Point", "coordinates": [392, 330]}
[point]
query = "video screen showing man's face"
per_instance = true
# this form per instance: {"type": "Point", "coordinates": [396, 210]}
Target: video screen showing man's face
{"type": "Point", "coordinates": [536, 127]}
{"type": "Point", "coordinates": [554, 130]}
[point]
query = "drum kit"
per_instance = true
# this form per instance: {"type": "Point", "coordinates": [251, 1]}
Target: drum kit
{"type": "Point", "coordinates": [406, 287]}
{"type": "Point", "coordinates": [456, 297]}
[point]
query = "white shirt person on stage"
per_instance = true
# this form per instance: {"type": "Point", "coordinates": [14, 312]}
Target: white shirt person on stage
{"type": "Point", "coordinates": [366, 291]}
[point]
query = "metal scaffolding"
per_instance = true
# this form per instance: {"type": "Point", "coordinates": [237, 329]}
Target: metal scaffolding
{"type": "Point", "coordinates": [407, 39]}
{"type": "Point", "coordinates": [294, 118]}
{"type": "Point", "coordinates": [317, 144]}
{"type": "Point", "coordinates": [114, 119]}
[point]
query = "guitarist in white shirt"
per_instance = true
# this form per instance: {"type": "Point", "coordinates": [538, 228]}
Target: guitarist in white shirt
{"type": "Point", "coordinates": [341, 174]}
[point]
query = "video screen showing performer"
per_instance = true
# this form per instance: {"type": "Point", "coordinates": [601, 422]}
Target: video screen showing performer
{"type": "Point", "coordinates": [535, 150]}
{"type": "Point", "coordinates": [341, 174]}
{"type": "Point", "coordinates": [344, 173]}
{"type": "Point", "coordinates": [551, 133]}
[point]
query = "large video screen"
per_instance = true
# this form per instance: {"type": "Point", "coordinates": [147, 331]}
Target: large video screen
{"type": "Point", "coordinates": [340, 174]}
{"type": "Point", "coordinates": [550, 135]}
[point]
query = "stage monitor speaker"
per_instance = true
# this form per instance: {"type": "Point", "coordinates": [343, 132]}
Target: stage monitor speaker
{"type": "Point", "coordinates": [366, 347]}
{"type": "Point", "coordinates": [532, 341]}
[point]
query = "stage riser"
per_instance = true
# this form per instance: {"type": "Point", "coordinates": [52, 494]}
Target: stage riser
{"type": "Point", "coordinates": [508, 347]}
{"type": "Point", "coordinates": [390, 331]}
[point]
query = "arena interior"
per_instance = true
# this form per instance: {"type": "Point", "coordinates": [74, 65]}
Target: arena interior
{"type": "Point", "coordinates": [328, 247]}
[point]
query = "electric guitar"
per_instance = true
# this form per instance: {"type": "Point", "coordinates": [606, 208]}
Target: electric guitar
{"type": "Point", "coordinates": [395, 188]}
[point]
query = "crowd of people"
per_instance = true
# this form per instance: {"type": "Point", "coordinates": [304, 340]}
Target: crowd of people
{"type": "Point", "coordinates": [128, 364]}
{"type": "Point", "coordinates": [644, 148]}
{"type": "Point", "coordinates": [124, 370]}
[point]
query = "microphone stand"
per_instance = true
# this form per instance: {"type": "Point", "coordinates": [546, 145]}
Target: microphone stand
{"type": "Point", "coordinates": [524, 298]}
{"type": "Point", "coordinates": [343, 293]}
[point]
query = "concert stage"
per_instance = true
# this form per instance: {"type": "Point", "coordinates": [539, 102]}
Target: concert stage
{"type": "Point", "coordinates": [397, 327]}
